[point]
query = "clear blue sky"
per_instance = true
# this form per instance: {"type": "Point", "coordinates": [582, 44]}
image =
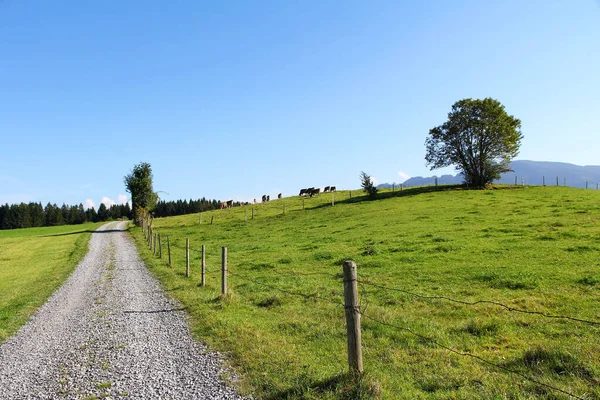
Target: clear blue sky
{"type": "Point", "coordinates": [232, 100]}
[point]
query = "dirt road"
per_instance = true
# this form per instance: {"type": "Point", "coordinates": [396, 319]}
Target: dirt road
{"type": "Point", "coordinates": [109, 331]}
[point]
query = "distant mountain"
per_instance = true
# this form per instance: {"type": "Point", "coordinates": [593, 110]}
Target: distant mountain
{"type": "Point", "coordinates": [532, 172]}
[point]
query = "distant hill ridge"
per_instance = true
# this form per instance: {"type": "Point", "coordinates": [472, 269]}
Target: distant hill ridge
{"type": "Point", "coordinates": [532, 172]}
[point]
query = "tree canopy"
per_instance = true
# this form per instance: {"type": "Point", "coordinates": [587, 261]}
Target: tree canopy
{"type": "Point", "coordinates": [139, 183]}
{"type": "Point", "coordinates": [367, 184]}
{"type": "Point", "coordinates": [479, 138]}
{"type": "Point", "coordinates": [31, 215]}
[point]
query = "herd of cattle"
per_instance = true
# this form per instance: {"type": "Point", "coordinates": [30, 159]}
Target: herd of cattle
{"type": "Point", "coordinates": [312, 191]}
{"type": "Point", "coordinates": [226, 204]}
{"type": "Point", "coordinates": [303, 192]}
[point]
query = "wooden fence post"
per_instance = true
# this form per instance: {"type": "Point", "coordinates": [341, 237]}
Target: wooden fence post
{"type": "Point", "coordinates": [515, 180]}
{"type": "Point", "coordinates": [436, 182]}
{"type": "Point", "coordinates": [224, 271]}
{"type": "Point", "coordinates": [200, 217]}
{"type": "Point", "coordinates": [245, 218]}
{"type": "Point", "coordinates": [154, 244]}
{"type": "Point", "coordinates": [522, 181]}
{"type": "Point", "coordinates": [565, 182]}
{"type": "Point", "coordinates": [557, 181]}
{"type": "Point", "coordinates": [169, 249]}
{"type": "Point", "coordinates": [350, 194]}
{"type": "Point", "coordinates": [401, 186]}
{"type": "Point", "coordinates": [586, 185]}
{"type": "Point", "coordinates": [159, 247]}
{"type": "Point", "coordinates": [187, 257]}
{"type": "Point", "coordinates": [393, 187]}
{"type": "Point", "coordinates": [203, 266]}
{"type": "Point", "coordinates": [543, 181]}
{"type": "Point", "coordinates": [352, 317]}
{"type": "Point", "coordinates": [212, 218]}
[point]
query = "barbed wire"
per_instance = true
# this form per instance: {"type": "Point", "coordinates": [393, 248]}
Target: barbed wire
{"type": "Point", "coordinates": [463, 354]}
{"type": "Point", "coordinates": [473, 303]}
{"type": "Point", "coordinates": [290, 292]}
{"type": "Point", "coordinates": [437, 297]}
{"type": "Point", "coordinates": [364, 302]}
{"type": "Point", "coordinates": [296, 274]}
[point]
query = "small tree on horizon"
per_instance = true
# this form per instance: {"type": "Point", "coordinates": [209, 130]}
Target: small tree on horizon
{"type": "Point", "coordinates": [367, 184]}
{"type": "Point", "coordinates": [143, 197]}
{"type": "Point", "coordinates": [480, 139]}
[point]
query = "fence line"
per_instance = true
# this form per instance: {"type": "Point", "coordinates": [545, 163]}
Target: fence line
{"type": "Point", "coordinates": [358, 310]}
{"type": "Point", "coordinates": [460, 353]}
{"type": "Point", "coordinates": [473, 303]}
{"type": "Point", "coordinates": [318, 201]}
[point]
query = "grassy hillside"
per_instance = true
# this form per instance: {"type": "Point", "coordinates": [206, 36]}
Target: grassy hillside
{"type": "Point", "coordinates": [531, 248]}
{"type": "Point", "coordinates": [34, 262]}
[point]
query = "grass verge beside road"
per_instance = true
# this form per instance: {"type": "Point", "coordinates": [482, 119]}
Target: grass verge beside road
{"type": "Point", "coordinates": [531, 248]}
{"type": "Point", "coordinates": [34, 262]}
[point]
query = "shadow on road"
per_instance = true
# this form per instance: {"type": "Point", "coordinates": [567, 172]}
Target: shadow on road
{"type": "Point", "coordinates": [154, 311]}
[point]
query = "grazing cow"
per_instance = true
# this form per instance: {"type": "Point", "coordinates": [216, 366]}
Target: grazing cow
{"type": "Point", "coordinates": [268, 198]}
{"type": "Point", "coordinates": [279, 196]}
{"type": "Point", "coordinates": [223, 205]}
{"type": "Point", "coordinates": [229, 203]}
{"type": "Point", "coordinates": [315, 191]}
{"type": "Point", "coordinates": [302, 192]}
{"type": "Point", "coordinates": [326, 189]}
{"type": "Point", "coordinates": [264, 198]}
{"type": "Point", "coordinates": [332, 189]}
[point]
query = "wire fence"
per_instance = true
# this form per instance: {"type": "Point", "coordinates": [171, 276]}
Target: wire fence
{"type": "Point", "coordinates": [520, 181]}
{"type": "Point", "coordinates": [361, 308]}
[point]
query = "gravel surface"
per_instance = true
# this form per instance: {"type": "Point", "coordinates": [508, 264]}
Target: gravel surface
{"type": "Point", "coordinates": [109, 332]}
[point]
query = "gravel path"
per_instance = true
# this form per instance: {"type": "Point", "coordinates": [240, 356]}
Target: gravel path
{"type": "Point", "coordinates": [109, 332]}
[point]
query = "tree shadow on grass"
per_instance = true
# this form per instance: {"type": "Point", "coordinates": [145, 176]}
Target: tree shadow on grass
{"type": "Point", "coordinates": [313, 387]}
{"type": "Point", "coordinates": [345, 386]}
{"type": "Point", "coordinates": [405, 192]}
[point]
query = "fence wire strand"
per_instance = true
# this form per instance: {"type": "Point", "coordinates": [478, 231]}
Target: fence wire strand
{"type": "Point", "coordinates": [463, 354]}
{"type": "Point", "coordinates": [296, 274]}
{"type": "Point", "coordinates": [290, 292]}
{"type": "Point", "coordinates": [473, 303]}
{"type": "Point", "coordinates": [364, 303]}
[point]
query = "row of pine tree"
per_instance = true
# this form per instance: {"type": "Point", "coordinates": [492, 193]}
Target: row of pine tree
{"type": "Point", "coordinates": [32, 215]}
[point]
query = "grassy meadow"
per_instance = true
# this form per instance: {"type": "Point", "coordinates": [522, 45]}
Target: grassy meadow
{"type": "Point", "coordinates": [34, 262]}
{"type": "Point", "coordinates": [283, 326]}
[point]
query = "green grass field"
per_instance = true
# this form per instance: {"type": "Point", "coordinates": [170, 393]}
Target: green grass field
{"type": "Point", "coordinates": [283, 326]}
{"type": "Point", "coordinates": [34, 262]}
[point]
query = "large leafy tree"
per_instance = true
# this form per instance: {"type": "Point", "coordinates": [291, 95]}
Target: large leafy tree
{"type": "Point", "coordinates": [479, 139]}
{"type": "Point", "coordinates": [139, 184]}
